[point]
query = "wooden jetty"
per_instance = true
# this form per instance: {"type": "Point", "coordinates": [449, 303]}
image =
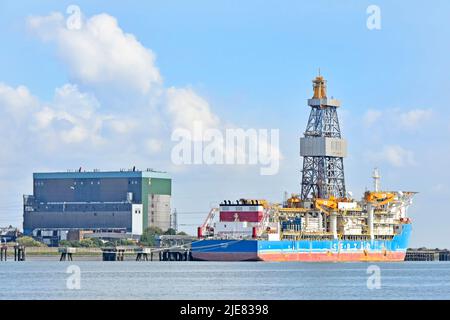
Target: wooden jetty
{"type": "Point", "coordinates": [424, 254]}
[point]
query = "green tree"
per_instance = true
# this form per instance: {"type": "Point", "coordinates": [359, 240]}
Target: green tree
{"type": "Point", "coordinates": [170, 232]}
{"type": "Point", "coordinates": [149, 235]}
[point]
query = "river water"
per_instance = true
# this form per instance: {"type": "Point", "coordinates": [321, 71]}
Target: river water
{"type": "Point", "coordinates": [218, 280]}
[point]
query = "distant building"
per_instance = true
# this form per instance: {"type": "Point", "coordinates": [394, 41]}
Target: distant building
{"type": "Point", "coordinates": [9, 234]}
{"type": "Point", "coordinates": [113, 201]}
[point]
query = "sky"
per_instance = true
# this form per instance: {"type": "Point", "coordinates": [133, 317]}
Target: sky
{"type": "Point", "coordinates": [109, 93]}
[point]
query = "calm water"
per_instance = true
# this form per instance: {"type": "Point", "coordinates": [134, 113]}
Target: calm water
{"type": "Point", "coordinates": [215, 280]}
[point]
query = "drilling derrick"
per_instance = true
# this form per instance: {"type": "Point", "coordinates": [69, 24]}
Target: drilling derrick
{"type": "Point", "coordinates": [322, 148]}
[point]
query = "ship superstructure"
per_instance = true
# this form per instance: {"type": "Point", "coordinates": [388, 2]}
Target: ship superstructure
{"type": "Point", "coordinates": [321, 223]}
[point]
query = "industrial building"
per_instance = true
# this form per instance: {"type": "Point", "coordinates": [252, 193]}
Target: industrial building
{"type": "Point", "coordinates": [125, 201]}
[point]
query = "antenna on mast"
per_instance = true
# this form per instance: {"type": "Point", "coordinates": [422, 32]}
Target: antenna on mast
{"type": "Point", "coordinates": [376, 180]}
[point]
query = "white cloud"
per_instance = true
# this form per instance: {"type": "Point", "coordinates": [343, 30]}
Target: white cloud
{"type": "Point", "coordinates": [414, 118]}
{"type": "Point", "coordinates": [154, 145]}
{"type": "Point", "coordinates": [395, 155]}
{"type": "Point", "coordinates": [121, 125]}
{"type": "Point", "coordinates": [100, 53]}
{"type": "Point", "coordinates": [371, 116]}
{"type": "Point", "coordinates": [16, 101]}
{"type": "Point", "coordinates": [397, 118]}
{"type": "Point", "coordinates": [191, 112]}
{"type": "Point", "coordinates": [186, 107]}
{"type": "Point", "coordinates": [78, 125]}
{"type": "Point", "coordinates": [70, 118]}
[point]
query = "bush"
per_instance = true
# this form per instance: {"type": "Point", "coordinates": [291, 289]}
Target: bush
{"type": "Point", "coordinates": [85, 243]}
{"type": "Point", "coordinates": [97, 242]}
{"type": "Point", "coordinates": [126, 242]}
{"type": "Point", "coordinates": [65, 243]}
{"type": "Point", "coordinates": [29, 242]}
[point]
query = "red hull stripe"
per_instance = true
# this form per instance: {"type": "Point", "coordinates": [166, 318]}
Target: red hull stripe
{"type": "Point", "coordinates": [306, 257]}
{"type": "Point", "coordinates": [334, 257]}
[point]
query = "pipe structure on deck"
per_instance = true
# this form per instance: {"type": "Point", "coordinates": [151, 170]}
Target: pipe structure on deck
{"type": "Point", "coordinates": [321, 221]}
{"type": "Point", "coordinates": [370, 220]}
{"type": "Point", "coordinates": [333, 225]}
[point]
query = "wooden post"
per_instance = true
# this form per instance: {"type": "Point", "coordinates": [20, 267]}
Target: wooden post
{"type": "Point", "coordinates": [4, 253]}
{"type": "Point", "coordinates": [19, 253]}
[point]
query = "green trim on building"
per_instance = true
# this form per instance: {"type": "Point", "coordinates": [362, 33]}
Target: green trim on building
{"type": "Point", "coordinates": [161, 186]}
{"type": "Point", "coordinates": [153, 186]}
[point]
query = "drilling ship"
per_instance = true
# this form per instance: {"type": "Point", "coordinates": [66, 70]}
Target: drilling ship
{"type": "Point", "coordinates": [321, 223]}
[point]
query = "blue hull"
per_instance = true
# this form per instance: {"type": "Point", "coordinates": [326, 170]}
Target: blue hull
{"type": "Point", "coordinates": [303, 250]}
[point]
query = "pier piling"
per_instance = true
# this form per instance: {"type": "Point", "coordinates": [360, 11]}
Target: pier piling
{"type": "Point", "coordinates": [175, 255]}
{"type": "Point", "coordinates": [19, 253]}
{"type": "Point", "coordinates": [66, 253]}
{"type": "Point", "coordinates": [3, 253]}
{"type": "Point", "coordinates": [142, 254]}
{"type": "Point", "coordinates": [113, 254]}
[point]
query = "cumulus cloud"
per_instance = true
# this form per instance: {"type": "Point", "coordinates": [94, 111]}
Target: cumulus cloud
{"type": "Point", "coordinates": [79, 122]}
{"type": "Point", "coordinates": [100, 53]}
{"type": "Point", "coordinates": [69, 118]}
{"type": "Point", "coordinates": [186, 107]}
{"type": "Point", "coordinates": [154, 145]}
{"type": "Point", "coordinates": [16, 101]}
{"type": "Point", "coordinates": [404, 119]}
{"type": "Point", "coordinates": [371, 116]}
{"type": "Point", "coordinates": [412, 119]}
{"type": "Point", "coordinates": [395, 155]}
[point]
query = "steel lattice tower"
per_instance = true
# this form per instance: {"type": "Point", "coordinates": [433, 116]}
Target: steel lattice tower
{"type": "Point", "coordinates": [322, 148]}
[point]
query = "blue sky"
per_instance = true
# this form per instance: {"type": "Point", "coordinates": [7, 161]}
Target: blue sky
{"type": "Point", "coordinates": [249, 64]}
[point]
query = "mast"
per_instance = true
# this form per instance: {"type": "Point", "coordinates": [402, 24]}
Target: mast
{"type": "Point", "coordinates": [322, 147]}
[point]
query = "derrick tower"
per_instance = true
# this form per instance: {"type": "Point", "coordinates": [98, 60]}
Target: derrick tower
{"type": "Point", "coordinates": [322, 147]}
